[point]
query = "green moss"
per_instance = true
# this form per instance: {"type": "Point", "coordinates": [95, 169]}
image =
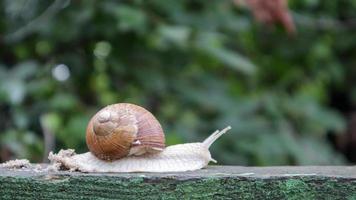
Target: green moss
{"type": "Point", "coordinates": [296, 188]}
{"type": "Point", "coordinates": [106, 187]}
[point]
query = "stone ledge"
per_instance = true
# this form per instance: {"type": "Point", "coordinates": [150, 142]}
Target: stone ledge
{"type": "Point", "coordinates": [214, 182]}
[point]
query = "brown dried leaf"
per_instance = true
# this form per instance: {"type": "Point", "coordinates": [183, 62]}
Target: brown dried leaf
{"type": "Point", "coordinates": [271, 12]}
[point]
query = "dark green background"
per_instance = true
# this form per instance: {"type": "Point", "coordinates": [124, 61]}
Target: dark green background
{"type": "Point", "coordinates": [197, 65]}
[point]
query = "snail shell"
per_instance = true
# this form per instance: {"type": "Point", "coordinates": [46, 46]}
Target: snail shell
{"type": "Point", "coordinates": [124, 129]}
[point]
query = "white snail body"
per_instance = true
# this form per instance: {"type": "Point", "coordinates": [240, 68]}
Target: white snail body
{"type": "Point", "coordinates": [175, 158]}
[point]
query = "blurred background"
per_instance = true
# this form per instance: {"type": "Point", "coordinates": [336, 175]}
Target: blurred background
{"type": "Point", "coordinates": [283, 78]}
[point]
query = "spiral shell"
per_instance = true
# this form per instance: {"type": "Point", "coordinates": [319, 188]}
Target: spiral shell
{"type": "Point", "coordinates": [124, 129]}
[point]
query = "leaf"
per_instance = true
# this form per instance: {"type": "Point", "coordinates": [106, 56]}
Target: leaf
{"type": "Point", "coordinates": [233, 60]}
{"type": "Point", "coordinates": [131, 19]}
{"type": "Point", "coordinates": [175, 34]}
{"type": "Point", "coordinates": [52, 122]}
{"type": "Point", "coordinates": [211, 44]}
{"type": "Point", "coordinates": [14, 90]}
{"type": "Point", "coordinates": [25, 69]}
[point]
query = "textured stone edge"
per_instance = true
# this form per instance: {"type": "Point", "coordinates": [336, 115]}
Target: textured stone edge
{"type": "Point", "coordinates": [222, 182]}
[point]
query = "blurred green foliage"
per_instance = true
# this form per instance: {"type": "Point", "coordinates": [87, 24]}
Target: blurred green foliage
{"type": "Point", "coordinates": [196, 65]}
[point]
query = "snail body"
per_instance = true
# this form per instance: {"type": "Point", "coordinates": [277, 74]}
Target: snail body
{"type": "Point", "coordinates": [127, 138]}
{"type": "Point", "coordinates": [175, 158]}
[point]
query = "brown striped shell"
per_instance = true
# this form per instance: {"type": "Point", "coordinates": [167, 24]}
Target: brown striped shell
{"type": "Point", "coordinates": [124, 129]}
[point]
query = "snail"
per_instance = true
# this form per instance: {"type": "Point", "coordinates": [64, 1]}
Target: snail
{"type": "Point", "coordinates": [125, 137]}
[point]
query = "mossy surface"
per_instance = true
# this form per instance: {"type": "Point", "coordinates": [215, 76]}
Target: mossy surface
{"type": "Point", "coordinates": [88, 186]}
